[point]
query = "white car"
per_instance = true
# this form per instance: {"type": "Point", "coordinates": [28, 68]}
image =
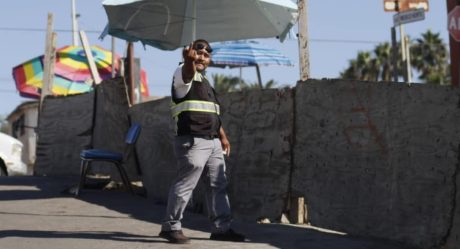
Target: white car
{"type": "Point", "coordinates": [10, 156]}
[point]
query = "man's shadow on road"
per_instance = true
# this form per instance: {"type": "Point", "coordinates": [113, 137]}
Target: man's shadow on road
{"type": "Point", "coordinates": [277, 235]}
{"type": "Point", "coordinates": [96, 235]}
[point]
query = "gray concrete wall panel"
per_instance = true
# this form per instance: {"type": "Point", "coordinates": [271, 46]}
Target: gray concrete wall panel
{"type": "Point", "coordinates": [378, 159]}
{"type": "Point", "coordinates": [154, 147]}
{"type": "Point", "coordinates": [259, 126]}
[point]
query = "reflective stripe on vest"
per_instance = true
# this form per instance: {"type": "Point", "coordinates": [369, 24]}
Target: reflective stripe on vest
{"type": "Point", "coordinates": [195, 106]}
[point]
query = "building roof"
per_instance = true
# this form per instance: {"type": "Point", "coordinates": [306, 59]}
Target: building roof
{"type": "Point", "coordinates": [23, 106]}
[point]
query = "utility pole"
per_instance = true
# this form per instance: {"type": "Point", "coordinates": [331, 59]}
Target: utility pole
{"type": "Point", "coordinates": [407, 11]}
{"type": "Point", "coordinates": [454, 49]}
{"type": "Point", "coordinates": [74, 25]}
{"type": "Point", "coordinates": [304, 56]}
{"type": "Point", "coordinates": [49, 60]}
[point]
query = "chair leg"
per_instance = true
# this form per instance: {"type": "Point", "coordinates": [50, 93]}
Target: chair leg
{"type": "Point", "coordinates": [124, 178]}
{"type": "Point", "coordinates": [83, 172]}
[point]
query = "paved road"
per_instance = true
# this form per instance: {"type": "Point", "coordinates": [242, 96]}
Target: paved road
{"type": "Point", "coordinates": [35, 214]}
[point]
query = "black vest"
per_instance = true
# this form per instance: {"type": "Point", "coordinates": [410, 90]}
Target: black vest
{"type": "Point", "coordinates": [197, 122]}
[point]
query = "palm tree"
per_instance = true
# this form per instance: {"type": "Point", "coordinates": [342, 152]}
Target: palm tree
{"type": "Point", "coordinates": [256, 85]}
{"type": "Point", "coordinates": [382, 62]}
{"type": "Point", "coordinates": [430, 58]}
{"type": "Point", "coordinates": [373, 66]}
{"type": "Point", "coordinates": [360, 68]}
{"type": "Point", "coordinates": [225, 84]}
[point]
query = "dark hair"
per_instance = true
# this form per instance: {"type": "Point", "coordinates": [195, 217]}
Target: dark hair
{"type": "Point", "coordinates": [200, 41]}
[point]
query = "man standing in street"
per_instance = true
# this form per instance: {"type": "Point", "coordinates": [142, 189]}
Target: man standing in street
{"type": "Point", "coordinates": [200, 146]}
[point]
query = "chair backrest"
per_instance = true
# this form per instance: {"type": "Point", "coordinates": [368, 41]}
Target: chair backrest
{"type": "Point", "coordinates": [133, 133]}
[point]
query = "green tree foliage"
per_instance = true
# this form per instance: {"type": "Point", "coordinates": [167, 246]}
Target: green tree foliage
{"type": "Point", "coordinates": [225, 84]}
{"type": "Point", "coordinates": [255, 85]}
{"type": "Point", "coordinates": [373, 66]}
{"type": "Point", "coordinates": [428, 59]}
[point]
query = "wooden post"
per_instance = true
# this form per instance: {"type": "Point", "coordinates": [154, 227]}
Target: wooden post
{"type": "Point", "coordinates": [454, 50]}
{"type": "Point", "coordinates": [90, 58]}
{"type": "Point", "coordinates": [304, 56]}
{"type": "Point", "coordinates": [297, 210]}
{"type": "Point", "coordinates": [113, 57]}
{"type": "Point", "coordinates": [49, 60]}
{"type": "Point", "coordinates": [130, 74]}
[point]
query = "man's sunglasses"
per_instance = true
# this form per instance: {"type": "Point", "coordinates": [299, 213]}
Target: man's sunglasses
{"type": "Point", "coordinates": [200, 46]}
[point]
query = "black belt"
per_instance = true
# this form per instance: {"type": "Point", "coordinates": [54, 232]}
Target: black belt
{"type": "Point", "coordinates": [209, 137]}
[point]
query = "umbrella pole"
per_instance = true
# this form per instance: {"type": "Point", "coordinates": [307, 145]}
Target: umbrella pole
{"type": "Point", "coordinates": [193, 20]}
{"type": "Point", "coordinates": [258, 77]}
{"type": "Point", "coordinates": [240, 81]}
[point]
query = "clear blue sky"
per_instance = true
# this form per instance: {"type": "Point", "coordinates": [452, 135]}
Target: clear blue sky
{"type": "Point", "coordinates": [337, 29]}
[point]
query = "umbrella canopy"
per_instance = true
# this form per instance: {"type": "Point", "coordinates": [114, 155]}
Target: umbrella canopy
{"type": "Point", "coordinates": [169, 24]}
{"type": "Point", "coordinates": [71, 72]}
{"type": "Point", "coordinates": [246, 53]}
{"type": "Point", "coordinates": [72, 64]}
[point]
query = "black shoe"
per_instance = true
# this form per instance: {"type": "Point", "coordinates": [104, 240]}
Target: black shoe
{"type": "Point", "coordinates": [229, 235]}
{"type": "Point", "coordinates": [176, 237]}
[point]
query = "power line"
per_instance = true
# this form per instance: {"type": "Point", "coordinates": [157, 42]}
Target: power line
{"type": "Point", "coordinates": [43, 30]}
{"type": "Point", "coordinates": [99, 32]}
{"type": "Point", "coordinates": [344, 41]}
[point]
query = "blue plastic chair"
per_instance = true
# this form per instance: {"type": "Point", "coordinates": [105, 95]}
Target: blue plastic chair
{"type": "Point", "coordinates": [90, 155]}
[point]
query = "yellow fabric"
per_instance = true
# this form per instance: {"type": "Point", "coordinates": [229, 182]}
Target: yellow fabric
{"type": "Point", "coordinates": [195, 105]}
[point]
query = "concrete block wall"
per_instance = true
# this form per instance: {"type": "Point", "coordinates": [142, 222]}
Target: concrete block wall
{"type": "Point", "coordinates": [259, 127]}
{"type": "Point", "coordinates": [154, 147]}
{"type": "Point", "coordinates": [69, 124]}
{"type": "Point", "coordinates": [378, 159]}
{"type": "Point", "coordinates": [371, 159]}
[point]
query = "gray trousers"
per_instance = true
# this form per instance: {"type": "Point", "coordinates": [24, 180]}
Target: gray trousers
{"type": "Point", "coordinates": [196, 155]}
